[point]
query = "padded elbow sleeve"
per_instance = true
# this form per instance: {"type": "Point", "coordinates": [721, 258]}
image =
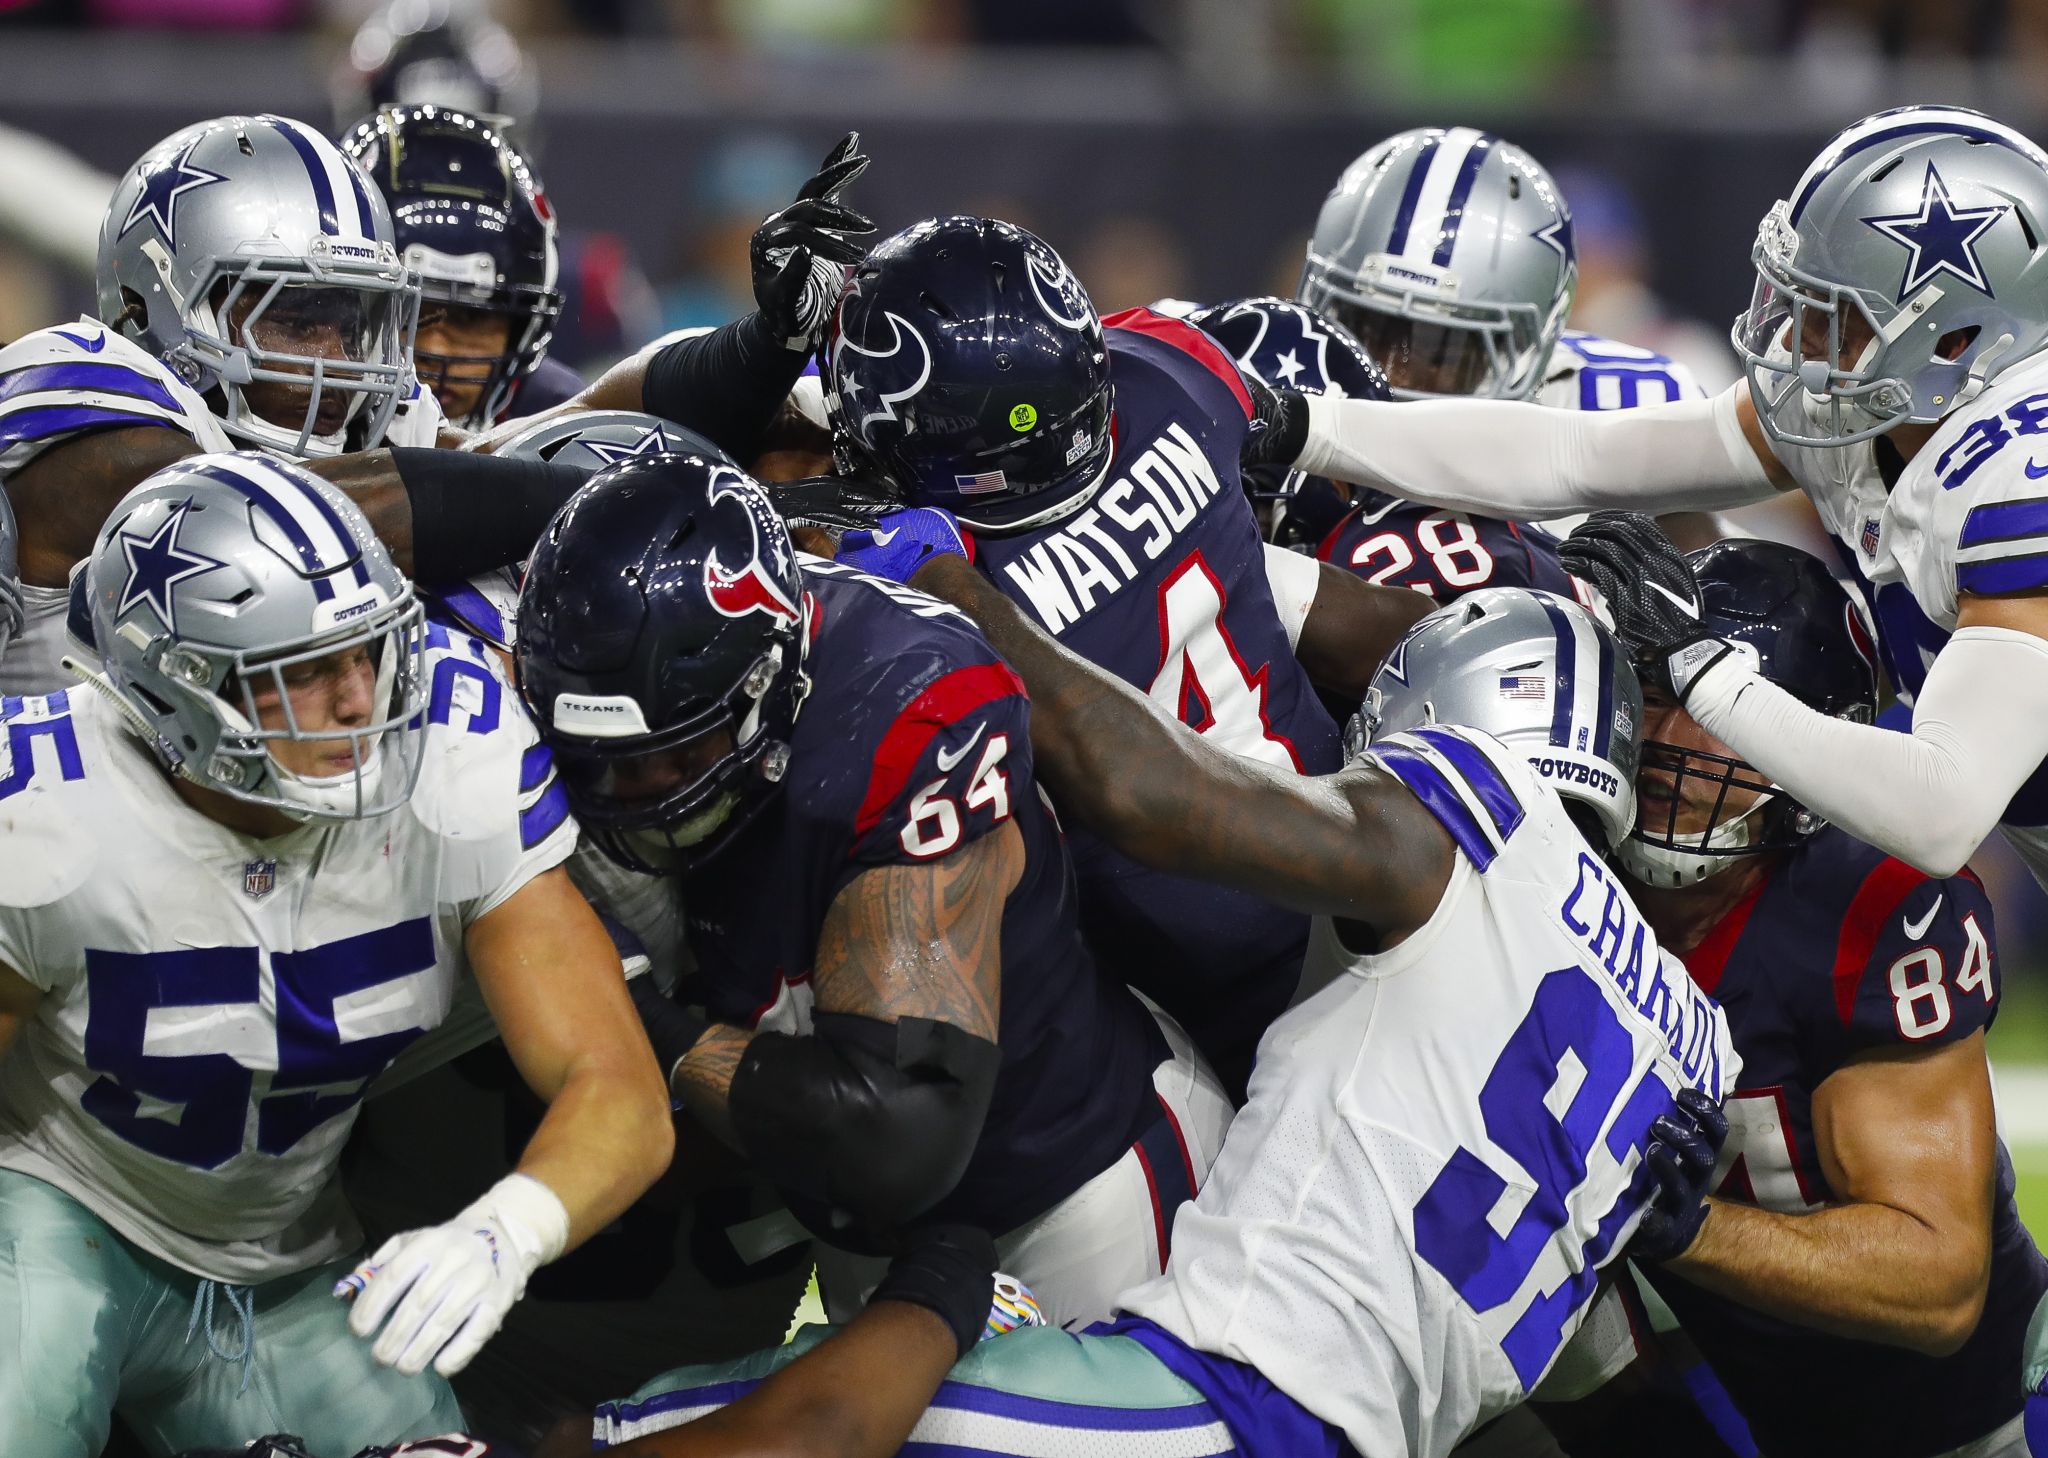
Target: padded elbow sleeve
{"type": "Point", "coordinates": [875, 1121]}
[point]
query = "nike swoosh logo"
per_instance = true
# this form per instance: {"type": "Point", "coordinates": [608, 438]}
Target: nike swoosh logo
{"type": "Point", "coordinates": [2034, 472]}
{"type": "Point", "coordinates": [90, 346]}
{"type": "Point", "coordinates": [882, 538]}
{"type": "Point", "coordinates": [947, 761]}
{"type": "Point", "coordinates": [1915, 929]}
{"type": "Point", "coordinates": [1685, 605]}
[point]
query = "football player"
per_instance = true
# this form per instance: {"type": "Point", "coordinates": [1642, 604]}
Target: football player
{"type": "Point", "coordinates": [1894, 352]}
{"type": "Point", "coordinates": [245, 866]}
{"type": "Point", "coordinates": [469, 216]}
{"type": "Point", "coordinates": [10, 578]}
{"type": "Point", "coordinates": [1096, 464]}
{"type": "Point", "coordinates": [1865, 1237]}
{"type": "Point", "coordinates": [904, 1021]}
{"type": "Point", "coordinates": [250, 292]}
{"type": "Point", "coordinates": [1448, 1140]}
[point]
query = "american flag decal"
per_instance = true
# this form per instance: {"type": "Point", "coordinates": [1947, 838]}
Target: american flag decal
{"type": "Point", "coordinates": [981, 483]}
{"type": "Point", "coordinates": [1522, 686]}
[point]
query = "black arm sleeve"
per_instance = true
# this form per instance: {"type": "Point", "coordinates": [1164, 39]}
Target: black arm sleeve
{"type": "Point", "coordinates": [874, 1120]}
{"type": "Point", "coordinates": [726, 385]}
{"type": "Point", "coordinates": [673, 1030]}
{"type": "Point", "coordinates": [472, 513]}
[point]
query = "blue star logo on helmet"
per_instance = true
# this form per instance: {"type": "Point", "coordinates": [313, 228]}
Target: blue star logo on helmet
{"type": "Point", "coordinates": [156, 564]}
{"type": "Point", "coordinates": [653, 443]}
{"type": "Point", "coordinates": [1941, 237]}
{"type": "Point", "coordinates": [164, 181]}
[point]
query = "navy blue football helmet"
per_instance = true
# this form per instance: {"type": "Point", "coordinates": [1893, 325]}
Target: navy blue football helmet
{"type": "Point", "coordinates": [1290, 346]}
{"type": "Point", "coordinates": [471, 219]}
{"type": "Point", "coordinates": [966, 365]}
{"type": "Point", "coordinates": [1808, 639]}
{"type": "Point", "coordinates": [661, 654]}
{"type": "Point", "coordinates": [445, 52]}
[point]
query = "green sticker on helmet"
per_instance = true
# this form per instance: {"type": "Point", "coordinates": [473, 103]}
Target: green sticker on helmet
{"type": "Point", "coordinates": [1023, 417]}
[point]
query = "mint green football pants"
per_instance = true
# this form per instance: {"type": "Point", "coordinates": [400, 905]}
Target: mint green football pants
{"type": "Point", "coordinates": [100, 1327]}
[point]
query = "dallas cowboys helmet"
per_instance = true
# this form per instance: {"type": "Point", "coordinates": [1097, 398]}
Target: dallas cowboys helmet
{"type": "Point", "coordinates": [1907, 271]}
{"type": "Point", "coordinates": [470, 218]}
{"type": "Point", "coordinates": [1808, 641]}
{"type": "Point", "coordinates": [1448, 253]}
{"type": "Point", "coordinates": [661, 654]}
{"type": "Point", "coordinates": [247, 251]}
{"type": "Point", "coordinates": [966, 365]}
{"type": "Point", "coordinates": [215, 587]}
{"type": "Point", "coordinates": [1536, 672]}
{"type": "Point", "coordinates": [11, 611]}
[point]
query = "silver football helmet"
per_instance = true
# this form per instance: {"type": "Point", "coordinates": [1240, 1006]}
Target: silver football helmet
{"type": "Point", "coordinates": [216, 588]}
{"type": "Point", "coordinates": [1536, 672]}
{"type": "Point", "coordinates": [11, 611]}
{"type": "Point", "coordinates": [1449, 254]}
{"type": "Point", "coordinates": [256, 261]}
{"type": "Point", "coordinates": [1908, 270]}
{"type": "Point", "coordinates": [594, 439]}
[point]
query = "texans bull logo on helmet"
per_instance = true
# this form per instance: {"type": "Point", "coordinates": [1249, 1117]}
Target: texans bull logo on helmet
{"type": "Point", "coordinates": [749, 589]}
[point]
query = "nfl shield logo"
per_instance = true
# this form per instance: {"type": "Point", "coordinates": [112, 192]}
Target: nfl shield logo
{"type": "Point", "coordinates": [259, 879]}
{"type": "Point", "coordinates": [1870, 537]}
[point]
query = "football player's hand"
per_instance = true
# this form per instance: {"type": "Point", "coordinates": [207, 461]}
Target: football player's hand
{"type": "Point", "coordinates": [799, 254]}
{"type": "Point", "coordinates": [1279, 429]}
{"type": "Point", "coordinates": [440, 1293]}
{"type": "Point", "coordinates": [1684, 1148]}
{"type": "Point", "coordinates": [903, 541]}
{"type": "Point", "coordinates": [1649, 593]}
{"type": "Point", "coordinates": [835, 504]}
{"type": "Point", "coordinates": [950, 1271]}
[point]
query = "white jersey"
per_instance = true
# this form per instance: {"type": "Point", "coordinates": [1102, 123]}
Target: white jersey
{"type": "Point", "coordinates": [216, 1003]}
{"type": "Point", "coordinates": [1590, 372]}
{"type": "Point", "coordinates": [1443, 1145]}
{"type": "Point", "coordinates": [56, 385]}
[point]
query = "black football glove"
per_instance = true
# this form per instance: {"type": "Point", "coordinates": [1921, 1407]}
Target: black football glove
{"type": "Point", "coordinates": [1279, 428]}
{"type": "Point", "coordinates": [1684, 1148]}
{"type": "Point", "coordinates": [949, 1270]}
{"type": "Point", "coordinates": [799, 254]}
{"type": "Point", "coordinates": [1650, 594]}
{"type": "Point", "coordinates": [835, 504]}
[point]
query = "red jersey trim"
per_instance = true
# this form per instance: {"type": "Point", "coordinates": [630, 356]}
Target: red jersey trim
{"type": "Point", "coordinates": [1877, 900]}
{"type": "Point", "coordinates": [950, 698]}
{"type": "Point", "coordinates": [1190, 341]}
{"type": "Point", "coordinates": [1707, 961]}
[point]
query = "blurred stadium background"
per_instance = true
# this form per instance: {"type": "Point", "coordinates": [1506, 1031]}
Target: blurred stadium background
{"type": "Point", "coordinates": [1167, 147]}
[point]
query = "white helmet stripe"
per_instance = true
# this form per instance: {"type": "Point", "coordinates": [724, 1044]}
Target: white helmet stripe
{"type": "Point", "coordinates": [1432, 205]}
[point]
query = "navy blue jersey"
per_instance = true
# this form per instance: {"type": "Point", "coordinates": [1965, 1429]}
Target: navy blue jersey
{"type": "Point", "coordinates": [551, 383]}
{"type": "Point", "coordinates": [1844, 950]}
{"type": "Point", "coordinates": [915, 741]}
{"type": "Point", "coordinates": [1160, 579]}
{"type": "Point", "coordinates": [1444, 554]}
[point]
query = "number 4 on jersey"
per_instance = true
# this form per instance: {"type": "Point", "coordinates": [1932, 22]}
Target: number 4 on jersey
{"type": "Point", "coordinates": [1202, 678]}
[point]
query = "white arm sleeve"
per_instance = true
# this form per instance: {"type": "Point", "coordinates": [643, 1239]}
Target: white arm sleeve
{"type": "Point", "coordinates": [1980, 728]}
{"type": "Point", "coordinates": [1294, 579]}
{"type": "Point", "coordinates": [1531, 462]}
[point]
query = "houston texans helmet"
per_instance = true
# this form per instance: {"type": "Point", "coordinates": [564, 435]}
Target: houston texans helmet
{"type": "Point", "coordinates": [966, 365]}
{"type": "Point", "coordinates": [1908, 270]}
{"type": "Point", "coordinates": [1449, 254]}
{"type": "Point", "coordinates": [1809, 641]}
{"type": "Point", "coordinates": [662, 634]}
{"type": "Point", "coordinates": [1538, 673]}
{"type": "Point", "coordinates": [470, 218]}
{"type": "Point", "coordinates": [444, 52]}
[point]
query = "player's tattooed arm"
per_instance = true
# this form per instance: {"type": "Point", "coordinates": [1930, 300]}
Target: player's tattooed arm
{"type": "Point", "coordinates": [703, 1079]}
{"type": "Point", "coordinates": [923, 941]}
{"type": "Point", "coordinates": [63, 497]}
{"type": "Point", "coordinates": [1350, 627]}
{"type": "Point", "coordinates": [1356, 844]}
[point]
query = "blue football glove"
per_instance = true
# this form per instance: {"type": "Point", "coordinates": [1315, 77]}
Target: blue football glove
{"type": "Point", "coordinates": [903, 541]}
{"type": "Point", "coordinates": [1684, 1148]}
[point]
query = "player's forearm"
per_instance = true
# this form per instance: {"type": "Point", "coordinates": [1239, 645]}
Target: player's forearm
{"type": "Point", "coordinates": [1351, 626]}
{"type": "Point", "coordinates": [1866, 1271]}
{"type": "Point", "coordinates": [606, 1137]}
{"type": "Point", "coordinates": [1528, 462]}
{"type": "Point", "coordinates": [856, 1395]}
{"type": "Point", "coordinates": [703, 1080]}
{"type": "Point", "coordinates": [1980, 728]}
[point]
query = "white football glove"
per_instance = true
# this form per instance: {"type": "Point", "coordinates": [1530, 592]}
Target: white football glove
{"type": "Point", "coordinates": [446, 1289]}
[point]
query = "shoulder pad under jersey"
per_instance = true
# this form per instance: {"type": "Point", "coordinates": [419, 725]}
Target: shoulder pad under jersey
{"type": "Point", "coordinates": [70, 379]}
{"type": "Point", "coordinates": [47, 842]}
